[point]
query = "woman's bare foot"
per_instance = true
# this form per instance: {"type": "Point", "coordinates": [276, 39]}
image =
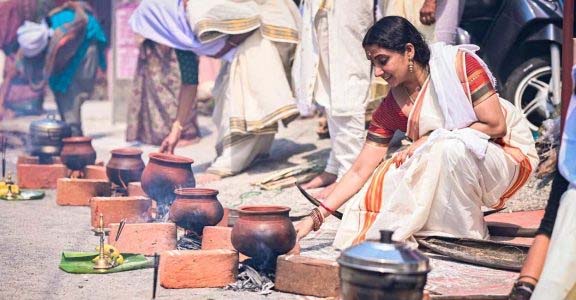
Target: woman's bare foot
{"type": "Point", "coordinates": [207, 177]}
{"type": "Point", "coordinates": [323, 194]}
{"type": "Point", "coordinates": [322, 180]}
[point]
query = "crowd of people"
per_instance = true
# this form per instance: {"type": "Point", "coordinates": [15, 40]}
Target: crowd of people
{"type": "Point", "coordinates": [466, 148]}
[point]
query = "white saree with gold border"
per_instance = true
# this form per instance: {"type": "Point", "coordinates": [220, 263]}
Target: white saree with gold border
{"type": "Point", "coordinates": [440, 189]}
{"type": "Point", "coordinates": [252, 91]}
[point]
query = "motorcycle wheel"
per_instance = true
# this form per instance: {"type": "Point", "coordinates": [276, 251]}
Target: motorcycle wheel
{"type": "Point", "coordinates": [528, 88]}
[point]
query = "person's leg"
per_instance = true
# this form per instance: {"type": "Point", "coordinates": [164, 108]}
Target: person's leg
{"type": "Point", "coordinates": [534, 263]}
{"type": "Point", "coordinates": [70, 102]}
{"type": "Point", "coordinates": [558, 276]}
{"type": "Point", "coordinates": [448, 14]}
{"type": "Point", "coordinates": [347, 137]}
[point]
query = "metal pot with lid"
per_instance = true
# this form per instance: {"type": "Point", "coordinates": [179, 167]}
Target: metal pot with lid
{"type": "Point", "coordinates": [46, 136]}
{"type": "Point", "coordinates": [382, 270]}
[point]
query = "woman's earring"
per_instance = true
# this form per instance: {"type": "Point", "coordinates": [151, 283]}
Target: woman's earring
{"type": "Point", "coordinates": [410, 65]}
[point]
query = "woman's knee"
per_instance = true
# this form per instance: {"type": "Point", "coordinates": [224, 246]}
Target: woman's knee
{"type": "Point", "coordinates": [453, 151]}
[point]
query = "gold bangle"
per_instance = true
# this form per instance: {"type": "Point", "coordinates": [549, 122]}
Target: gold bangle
{"type": "Point", "coordinates": [178, 125]}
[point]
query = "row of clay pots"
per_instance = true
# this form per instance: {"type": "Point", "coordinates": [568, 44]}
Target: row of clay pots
{"type": "Point", "coordinates": [261, 232]}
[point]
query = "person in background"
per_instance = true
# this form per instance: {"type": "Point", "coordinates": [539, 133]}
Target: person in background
{"type": "Point", "coordinates": [17, 97]}
{"type": "Point", "coordinates": [332, 30]}
{"type": "Point", "coordinates": [251, 97]}
{"type": "Point", "coordinates": [159, 91]}
{"type": "Point", "coordinates": [72, 44]}
{"type": "Point", "coordinates": [558, 279]}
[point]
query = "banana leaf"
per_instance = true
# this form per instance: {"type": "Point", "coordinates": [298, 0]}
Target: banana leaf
{"type": "Point", "coordinates": [81, 263]}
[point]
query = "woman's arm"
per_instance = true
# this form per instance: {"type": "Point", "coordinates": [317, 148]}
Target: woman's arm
{"type": "Point", "coordinates": [367, 161]}
{"type": "Point", "coordinates": [491, 120]}
{"type": "Point", "coordinates": [483, 96]}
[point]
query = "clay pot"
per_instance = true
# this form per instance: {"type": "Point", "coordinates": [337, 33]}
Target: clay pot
{"type": "Point", "coordinates": [195, 208]}
{"type": "Point", "coordinates": [263, 232]}
{"type": "Point", "coordinates": [163, 174]}
{"type": "Point", "coordinates": [77, 152]}
{"type": "Point", "coordinates": [125, 166]}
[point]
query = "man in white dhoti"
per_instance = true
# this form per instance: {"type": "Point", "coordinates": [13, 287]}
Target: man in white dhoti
{"type": "Point", "coordinates": [470, 148]}
{"type": "Point", "coordinates": [329, 68]}
{"type": "Point", "coordinates": [252, 92]}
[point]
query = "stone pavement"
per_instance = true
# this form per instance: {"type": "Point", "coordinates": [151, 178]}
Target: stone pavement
{"type": "Point", "coordinates": [34, 233]}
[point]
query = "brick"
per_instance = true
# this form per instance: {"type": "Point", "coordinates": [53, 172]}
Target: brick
{"type": "Point", "coordinates": [34, 176]}
{"type": "Point", "coordinates": [197, 268]}
{"type": "Point", "coordinates": [224, 221]}
{"type": "Point", "coordinates": [27, 159]}
{"type": "Point", "coordinates": [114, 209]}
{"type": "Point", "coordinates": [34, 160]}
{"type": "Point", "coordinates": [516, 224]}
{"type": "Point", "coordinates": [307, 276]}
{"type": "Point", "coordinates": [95, 172]}
{"type": "Point", "coordinates": [217, 237]}
{"type": "Point", "coordinates": [144, 238]}
{"type": "Point", "coordinates": [135, 189]}
{"type": "Point", "coordinates": [78, 192]}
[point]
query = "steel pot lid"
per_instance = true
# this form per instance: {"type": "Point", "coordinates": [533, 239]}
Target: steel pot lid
{"type": "Point", "coordinates": [48, 123]}
{"type": "Point", "coordinates": [385, 256]}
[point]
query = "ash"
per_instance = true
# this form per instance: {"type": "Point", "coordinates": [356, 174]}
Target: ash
{"type": "Point", "coordinates": [190, 241]}
{"type": "Point", "coordinates": [252, 280]}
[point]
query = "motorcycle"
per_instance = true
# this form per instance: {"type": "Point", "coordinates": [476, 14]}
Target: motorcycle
{"type": "Point", "coordinates": [521, 41]}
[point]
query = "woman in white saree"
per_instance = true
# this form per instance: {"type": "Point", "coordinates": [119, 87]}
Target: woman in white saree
{"type": "Point", "coordinates": [256, 40]}
{"type": "Point", "coordinates": [470, 148]}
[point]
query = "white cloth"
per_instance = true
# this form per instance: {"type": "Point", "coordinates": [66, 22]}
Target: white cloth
{"type": "Point", "coordinates": [567, 157]}
{"type": "Point", "coordinates": [347, 136]}
{"type": "Point", "coordinates": [348, 69]}
{"type": "Point", "coordinates": [558, 276]}
{"type": "Point", "coordinates": [33, 37]}
{"type": "Point", "coordinates": [448, 15]}
{"type": "Point", "coordinates": [410, 10]}
{"type": "Point", "coordinates": [165, 22]}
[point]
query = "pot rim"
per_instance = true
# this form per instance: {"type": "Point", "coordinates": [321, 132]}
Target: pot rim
{"type": "Point", "coordinates": [128, 151]}
{"type": "Point", "coordinates": [190, 191]}
{"type": "Point", "coordinates": [263, 209]}
{"type": "Point", "coordinates": [77, 139]}
{"type": "Point", "coordinates": [170, 158]}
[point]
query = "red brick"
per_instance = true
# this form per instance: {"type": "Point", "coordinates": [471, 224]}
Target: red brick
{"type": "Point", "coordinates": [79, 191]}
{"type": "Point", "coordinates": [224, 221]}
{"type": "Point", "coordinates": [197, 268]}
{"type": "Point", "coordinates": [217, 237]}
{"type": "Point", "coordinates": [34, 176]}
{"type": "Point", "coordinates": [95, 172]}
{"type": "Point", "coordinates": [27, 159]}
{"type": "Point", "coordinates": [114, 209]}
{"type": "Point", "coordinates": [33, 160]}
{"type": "Point", "coordinates": [307, 276]}
{"type": "Point", "coordinates": [522, 223]}
{"type": "Point", "coordinates": [135, 189]}
{"type": "Point", "coordinates": [144, 238]}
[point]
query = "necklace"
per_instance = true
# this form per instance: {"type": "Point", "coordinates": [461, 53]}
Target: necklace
{"type": "Point", "coordinates": [408, 94]}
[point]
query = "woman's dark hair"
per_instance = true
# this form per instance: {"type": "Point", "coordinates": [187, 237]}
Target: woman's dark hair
{"type": "Point", "coordinates": [393, 33]}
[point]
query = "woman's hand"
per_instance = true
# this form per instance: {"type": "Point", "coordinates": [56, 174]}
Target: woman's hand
{"type": "Point", "coordinates": [428, 12]}
{"type": "Point", "coordinates": [304, 227]}
{"type": "Point", "coordinates": [169, 143]}
{"type": "Point", "coordinates": [402, 156]}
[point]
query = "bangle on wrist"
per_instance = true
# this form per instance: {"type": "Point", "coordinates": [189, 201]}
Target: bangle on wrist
{"type": "Point", "coordinates": [317, 218]}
